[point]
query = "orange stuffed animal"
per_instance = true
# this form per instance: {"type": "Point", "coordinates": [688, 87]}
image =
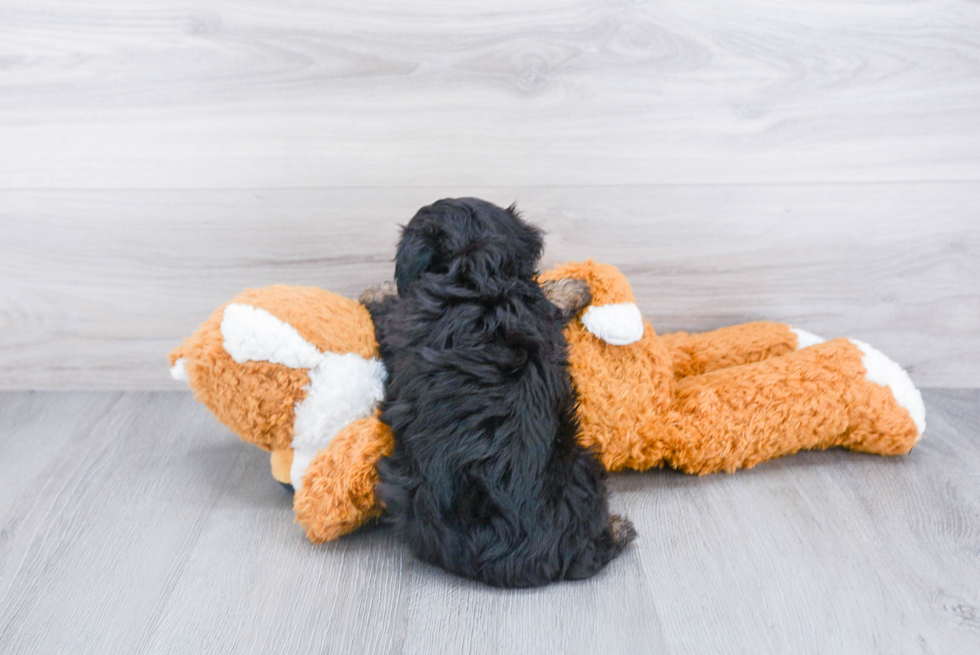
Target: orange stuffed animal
{"type": "Point", "coordinates": [295, 371]}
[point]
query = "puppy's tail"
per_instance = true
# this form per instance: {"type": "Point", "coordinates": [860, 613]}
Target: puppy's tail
{"type": "Point", "coordinates": [621, 533]}
{"type": "Point", "coordinates": [613, 539]}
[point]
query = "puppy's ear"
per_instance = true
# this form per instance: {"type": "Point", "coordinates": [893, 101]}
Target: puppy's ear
{"type": "Point", "coordinates": [531, 239]}
{"type": "Point", "coordinates": [377, 292]}
{"type": "Point", "coordinates": [418, 252]}
{"type": "Point", "coordinates": [569, 295]}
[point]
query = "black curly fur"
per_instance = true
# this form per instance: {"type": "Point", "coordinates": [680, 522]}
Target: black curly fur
{"type": "Point", "coordinates": [487, 479]}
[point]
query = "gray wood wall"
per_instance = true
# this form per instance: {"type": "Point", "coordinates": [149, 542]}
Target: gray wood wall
{"type": "Point", "coordinates": [814, 162]}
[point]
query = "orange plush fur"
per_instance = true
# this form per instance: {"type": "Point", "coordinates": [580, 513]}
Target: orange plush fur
{"type": "Point", "coordinates": [700, 403]}
{"type": "Point", "coordinates": [337, 496]}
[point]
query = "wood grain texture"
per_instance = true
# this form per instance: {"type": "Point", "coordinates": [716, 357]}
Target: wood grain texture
{"type": "Point", "coordinates": [255, 93]}
{"type": "Point", "coordinates": [97, 286]}
{"type": "Point", "coordinates": [133, 522]}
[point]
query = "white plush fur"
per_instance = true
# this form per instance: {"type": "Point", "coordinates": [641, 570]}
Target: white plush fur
{"type": "Point", "coordinates": [254, 335]}
{"type": "Point", "coordinates": [179, 371]}
{"type": "Point", "coordinates": [302, 458]}
{"type": "Point", "coordinates": [804, 338]}
{"type": "Point", "coordinates": [618, 324]}
{"type": "Point", "coordinates": [885, 372]}
{"type": "Point", "coordinates": [342, 389]}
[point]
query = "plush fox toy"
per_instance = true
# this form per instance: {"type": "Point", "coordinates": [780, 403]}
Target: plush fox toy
{"type": "Point", "coordinates": [295, 371]}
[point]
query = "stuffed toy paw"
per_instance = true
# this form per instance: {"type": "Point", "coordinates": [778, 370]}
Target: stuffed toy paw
{"type": "Point", "coordinates": [295, 371]}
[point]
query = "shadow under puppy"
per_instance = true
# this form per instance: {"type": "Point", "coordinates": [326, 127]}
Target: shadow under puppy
{"type": "Point", "coordinates": [487, 478]}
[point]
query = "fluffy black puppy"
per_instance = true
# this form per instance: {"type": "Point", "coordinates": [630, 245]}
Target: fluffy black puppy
{"type": "Point", "coordinates": [487, 479]}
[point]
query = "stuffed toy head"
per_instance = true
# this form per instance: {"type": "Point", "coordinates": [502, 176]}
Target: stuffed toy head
{"type": "Point", "coordinates": [286, 368]}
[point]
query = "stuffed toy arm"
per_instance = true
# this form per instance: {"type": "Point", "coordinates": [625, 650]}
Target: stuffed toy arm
{"type": "Point", "coordinates": [337, 494]}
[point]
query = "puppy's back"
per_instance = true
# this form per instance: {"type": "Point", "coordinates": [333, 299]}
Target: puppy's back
{"type": "Point", "coordinates": [487, 479]}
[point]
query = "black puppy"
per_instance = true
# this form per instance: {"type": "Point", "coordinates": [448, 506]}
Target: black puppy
{"type": "Point", "coordinates": [487, 479]}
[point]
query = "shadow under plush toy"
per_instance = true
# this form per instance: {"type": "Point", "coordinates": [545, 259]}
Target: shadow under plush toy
{"type": "Point", "coordinates": [295, 371]}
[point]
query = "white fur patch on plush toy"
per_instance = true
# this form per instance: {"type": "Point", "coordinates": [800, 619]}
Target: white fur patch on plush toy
{"type": "Point", "coordinates": [804, 338]}
{"type": "Point", "coordinates": [342, 388]}
{"type": "Point", "coordinates": [618, 324]}
{"type": "Point", "coordinates": [179, 370]}
{"type": "Point", "coordinates": [254, 335]}
{"type": "Point", "coordinates": [884, 371]}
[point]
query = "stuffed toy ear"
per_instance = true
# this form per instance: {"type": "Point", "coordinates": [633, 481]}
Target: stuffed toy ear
{"type": "Point", "coordinates": [613, 315]}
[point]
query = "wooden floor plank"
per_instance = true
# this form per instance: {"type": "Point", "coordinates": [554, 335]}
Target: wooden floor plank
{"type": "Point", "coordinates": [144, 526]}
{"type": "Point", "coordinates": [101, 534]}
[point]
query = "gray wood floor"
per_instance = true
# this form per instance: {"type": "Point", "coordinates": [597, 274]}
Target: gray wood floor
{"type": "Point", "coordinates": [134, 522]}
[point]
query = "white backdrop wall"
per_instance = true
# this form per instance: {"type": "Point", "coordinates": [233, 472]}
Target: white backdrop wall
{"type": "Point", "coordinates": [816, 163]}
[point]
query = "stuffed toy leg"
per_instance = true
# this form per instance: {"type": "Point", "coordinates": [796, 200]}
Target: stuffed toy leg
{"type": "Point", "coordinates": [294, 371]}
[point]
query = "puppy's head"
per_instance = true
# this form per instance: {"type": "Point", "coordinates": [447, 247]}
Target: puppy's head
{"type": "Point", "coordinates": [466, 238]}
